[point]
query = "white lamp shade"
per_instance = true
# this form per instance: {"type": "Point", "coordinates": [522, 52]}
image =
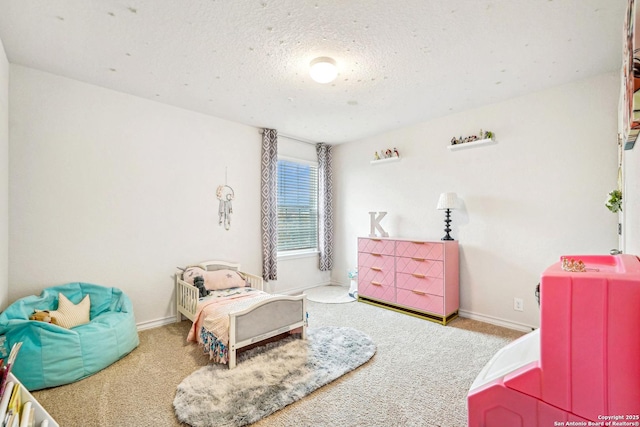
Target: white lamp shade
{"type": "Point", "coordinates": [323, 70]}
{"type": "Point", "coordinates": [447, 201]}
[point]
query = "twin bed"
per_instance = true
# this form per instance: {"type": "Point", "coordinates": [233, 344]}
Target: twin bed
{"type": "Point", "coordinates": [230, 310]}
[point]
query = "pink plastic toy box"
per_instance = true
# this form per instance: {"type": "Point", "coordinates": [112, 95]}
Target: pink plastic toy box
{"type": "Point", "coordinates": [582, 367]}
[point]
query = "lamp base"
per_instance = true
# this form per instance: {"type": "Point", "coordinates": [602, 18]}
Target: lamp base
{"type": "Point", "coordinates": [447, 221]}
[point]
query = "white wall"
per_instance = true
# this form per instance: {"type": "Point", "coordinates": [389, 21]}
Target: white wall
{"type": "Point", "coordinates": [117, 190]}
{"type": "Point", "coordinates": [536, 195]}
{"type": "Point", "coordinates": [113, 189]}
{"type": "Point", "coordinates": [4, 178]}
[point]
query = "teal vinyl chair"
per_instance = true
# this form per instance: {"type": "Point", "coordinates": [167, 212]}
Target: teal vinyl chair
{"type": "Point", "coordinates": [52, 355]}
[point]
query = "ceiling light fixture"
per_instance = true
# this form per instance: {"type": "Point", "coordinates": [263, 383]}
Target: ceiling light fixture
{"type": "Point", "coordinates": [323, 70]}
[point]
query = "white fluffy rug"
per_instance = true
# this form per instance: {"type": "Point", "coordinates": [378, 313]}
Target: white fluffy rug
{"type": "Point", "coordinates": [270, 377]}
{"type": "Point", "coordinates": [330, 294]}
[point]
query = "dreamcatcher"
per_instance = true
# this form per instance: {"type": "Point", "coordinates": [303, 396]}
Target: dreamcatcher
{"type": "Point", "coordinates": [225, 194]}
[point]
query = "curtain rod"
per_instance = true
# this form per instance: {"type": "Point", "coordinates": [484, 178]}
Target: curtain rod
{"type": "Point", "coordinates": [306, 141]}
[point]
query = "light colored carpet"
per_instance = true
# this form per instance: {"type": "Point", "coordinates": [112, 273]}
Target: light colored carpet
{"type": "Point", "coordinates": [331, 294]}
{"type": "Point", "coordinates": [419, 376]}
{"type": "Point", "coordinates": [270, 377]}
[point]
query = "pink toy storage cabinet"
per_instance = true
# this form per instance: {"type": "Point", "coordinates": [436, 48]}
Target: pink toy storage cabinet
{"type": "Point", "coordinates": [582, 367]}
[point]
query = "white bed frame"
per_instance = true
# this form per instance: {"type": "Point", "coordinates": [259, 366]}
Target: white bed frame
{"type": "Point", "coordinates": [262, 321]}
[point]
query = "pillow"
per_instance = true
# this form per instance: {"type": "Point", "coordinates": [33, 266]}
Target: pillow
{"type": "Point", "coordinates": [223, 279]}
{"type": "Point", "coordinates": [69, 315]}
{"type": "Point", "coordinates": [215, 280]}
{"type": "Point", "coordinates": [191, 273]}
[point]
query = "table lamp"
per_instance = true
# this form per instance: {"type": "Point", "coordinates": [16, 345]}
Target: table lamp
{"type": "Point", "coordinates": [447, 202]}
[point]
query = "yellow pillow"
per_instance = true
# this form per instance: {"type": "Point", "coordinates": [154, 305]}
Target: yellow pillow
{"type": "Point", "coordinates": [69, 314]}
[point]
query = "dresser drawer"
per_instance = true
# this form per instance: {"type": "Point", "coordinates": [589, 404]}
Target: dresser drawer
{"type": "Point", "coordinates": [376, 262]}
{"type": "Point", "coordinates": [420, 267]}
{"type": "Point", "coordinates": [376, 246]}
{"type": "Point", "coordinates": [376, 289]}
{"type": "Point", "coordinates": [373, 274]}
{"type": "Point", "coordinates": [425, 284]}
{"type": "Point", "coordinates": [420, 301]}
{"type": "Point", "coordinates": [422, 250]}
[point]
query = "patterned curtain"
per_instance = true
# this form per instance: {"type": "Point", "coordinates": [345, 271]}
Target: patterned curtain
{"type": "Point", "coordinates": [269, 190]}
{"type": "Point", "coordinates": [325, 206]}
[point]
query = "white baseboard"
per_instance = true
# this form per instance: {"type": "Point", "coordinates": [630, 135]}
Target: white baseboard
{"type": "Point", "coordinates": [496, 321]}
{"type": "Point", "coordinates": [150, 324]}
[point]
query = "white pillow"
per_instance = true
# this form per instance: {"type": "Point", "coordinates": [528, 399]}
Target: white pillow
{"type": "Point", "coordinates": [69, 314]}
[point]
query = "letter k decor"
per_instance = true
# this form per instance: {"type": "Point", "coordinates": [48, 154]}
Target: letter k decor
{"type": "Point", "coordinates": [375, 224]}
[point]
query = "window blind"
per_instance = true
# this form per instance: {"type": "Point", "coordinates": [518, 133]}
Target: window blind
{"type": "Point", "coordinates": [297, 205]}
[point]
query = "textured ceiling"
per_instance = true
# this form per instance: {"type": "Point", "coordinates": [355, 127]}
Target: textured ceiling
{"type": "Point", "coordinates": [400, 61]}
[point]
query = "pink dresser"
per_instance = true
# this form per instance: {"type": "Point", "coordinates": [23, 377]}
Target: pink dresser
{"type": "Point", "coordinates": [415, 277]}
{"type": "Point", "coordinates": [582, 367]}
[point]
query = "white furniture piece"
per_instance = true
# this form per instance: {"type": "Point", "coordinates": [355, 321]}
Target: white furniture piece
{"type": "Point", "coordinates": [416, 277]}
{"type": "Point", "coordinates": [385, 160]}
{"type": "Point", "coordinates": [472, 144]}
{"type": "Point", "coordinates": [42, 417]}
{"type": "Point", "coordinates": [264, 320]}
{"type": "Point", "coordinates": [510, 358]}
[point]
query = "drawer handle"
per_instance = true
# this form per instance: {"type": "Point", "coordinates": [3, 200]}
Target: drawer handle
{"type": "Point", "coordinates": [419, 276]}
{"type": "Point", "coordinates": [376, 283]}
{"type": "Point", "coordinates": [376, 268]}
{"type": "Point", "coordinates": [418, 243]}
{"type": "Point", "coordinates": [376, 240]}
{"type": "Point", "coordinates": [376, 254]}
{"type": "Point", "coordinates": [418, 292]}
{"type": "Point", "coordinates": [419, 259]}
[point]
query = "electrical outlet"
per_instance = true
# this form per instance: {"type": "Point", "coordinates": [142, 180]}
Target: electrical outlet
{"type": "Point", "coordinates": [518, 304]}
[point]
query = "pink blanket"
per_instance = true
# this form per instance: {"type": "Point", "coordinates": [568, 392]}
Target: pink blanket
{"type": "Point", "coordinates": [213, 311]}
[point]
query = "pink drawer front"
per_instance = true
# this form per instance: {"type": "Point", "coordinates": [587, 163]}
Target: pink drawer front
{"type": "Point", "coordinates": [372, 274]}
{"type": "Point", "coordinates": [424, 250]}
{"type": "Point", "coordinates": [375, 289]}
{"type": "Point", "coordinates": [376, 262]}
{"type": "Point", "coordinates": [429, 285]}
{"type": "Point", "coordinates": [420, 301]}
{"type": "Point", "coordinates": [423, 267]}
{"type": "Point", "coordinates": [376, 246]}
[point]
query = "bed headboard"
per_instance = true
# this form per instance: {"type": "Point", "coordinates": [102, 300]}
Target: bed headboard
{"type": "Point", "coordinates": [219, 265]}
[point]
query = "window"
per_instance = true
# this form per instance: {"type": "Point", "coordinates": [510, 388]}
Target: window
{"type": "Point", "coordinates": [297, 205]}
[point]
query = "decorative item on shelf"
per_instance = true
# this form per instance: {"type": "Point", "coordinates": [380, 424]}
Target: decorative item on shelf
{"type": "Point", "coordinates": [471, 138]}
{"type": "Point", "coordinates": [386, 154]}
{"type": "Point", "coordinates": [614, 203]}
{"type": "Point", "coordinates": [447, 201]}
{"type": "Point", "coordinates": [389, 154]}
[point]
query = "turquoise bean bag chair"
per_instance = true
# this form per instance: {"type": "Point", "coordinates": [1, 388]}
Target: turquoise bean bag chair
{"type": "Point", "coordinates": [52, 355]}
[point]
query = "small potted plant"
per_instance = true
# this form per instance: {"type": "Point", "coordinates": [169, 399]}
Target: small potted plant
{"type": "Point", "coordinates": [614, 203]}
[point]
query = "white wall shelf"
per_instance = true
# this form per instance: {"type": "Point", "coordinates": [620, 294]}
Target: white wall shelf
{"type": "Point", "coordinates": [388, 160]}
{"type": "Point", "coordinates": [472, 144]}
